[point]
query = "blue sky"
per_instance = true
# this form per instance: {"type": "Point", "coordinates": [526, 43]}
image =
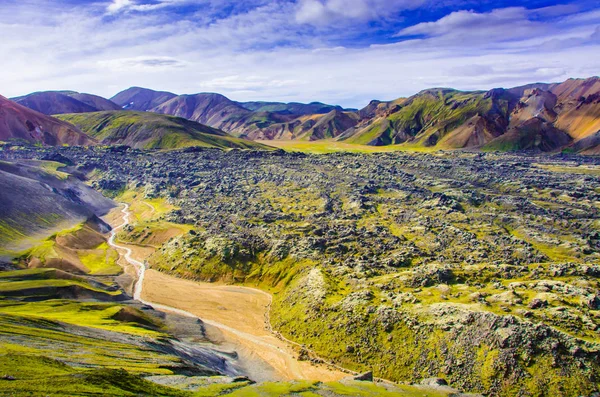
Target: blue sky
{"type": "Point", "coordinates": [338, 51]}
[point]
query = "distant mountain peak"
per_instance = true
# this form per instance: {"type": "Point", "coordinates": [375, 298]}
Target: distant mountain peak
{"type": "Point", "coordinates": [18, 122]}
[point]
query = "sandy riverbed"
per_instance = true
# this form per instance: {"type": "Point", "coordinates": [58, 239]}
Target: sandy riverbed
{"type": "Point", "coordinates": [235, 318]}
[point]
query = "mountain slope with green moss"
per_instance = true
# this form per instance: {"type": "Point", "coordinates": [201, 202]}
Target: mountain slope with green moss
{"type": "Point", "coordinates": [146, 130]}
{"type": "Point", "coordinates": [537, 117]}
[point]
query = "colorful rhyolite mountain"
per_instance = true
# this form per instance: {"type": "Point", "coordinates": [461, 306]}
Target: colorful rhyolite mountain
{"type": "Point", "coordinates": [20, 123]}
{"type": "Point", "coordinates": [137, 98]}
{"type": "Point", "coordinates": [141, 130]}
{"type": "Point", "coordinates": [59, 102]}
{"type": "Point", "coordinates": [537, 117]}
{"type": "Point", "coordinates": [253, 120]}
{"type": "Point", "coordinates": [543, 117]}
{"type": "Point", "coordinates": [145, 130]}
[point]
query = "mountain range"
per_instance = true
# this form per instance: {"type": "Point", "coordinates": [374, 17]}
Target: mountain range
{"type": "Point", "coordinates": [546, 117]}
{"type": "Point", "coordinates": [145, 130]}
{"type": "Point", "coordinates": [538, 117]}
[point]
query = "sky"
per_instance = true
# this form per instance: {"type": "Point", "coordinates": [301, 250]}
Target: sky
{"type": "Point", "coordinates": [345, 52]}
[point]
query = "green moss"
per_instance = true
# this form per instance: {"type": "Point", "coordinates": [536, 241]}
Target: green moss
{"type": "Point", "coordinates": [275, 389]}
{"type": "Point", "coordinates": [51, 168]}
{"type": "Point", "coordinates": [38, 375]}
{"type": "Point", "coordinates": [366, 389]}
{"type": "Point", "coordinates": [29, 286]}
{"type": "Point", "coordinates": [548, 380]}
{"type": "Point", "coordinates": [487, 357]}
{"type": "Point", "coordinates": [219, 389]}
{"type": "Point", "coordinates": [154, 131]}
{"type": "Point", "coordinates": [27, 274]}
{"type": "Point", "coordinates": [94, 315]}
{"type": "Point", "coordinates": [101, 261]}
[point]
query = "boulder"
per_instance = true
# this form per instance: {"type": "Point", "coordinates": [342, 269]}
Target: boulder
{"type": "Point", "coordinates": [365, 377]}
{"type": "Point", "coordinates": [434, 382]}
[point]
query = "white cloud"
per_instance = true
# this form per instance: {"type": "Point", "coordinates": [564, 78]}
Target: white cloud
{"type": "Point", "coordinates": [327, 12]}
{"type": "Point", "coordinates": [242, 56]}
{"type": "Point", "coordinates": [142, 63]}
{"type": "Point", "coordinates": [133, 5]}
{"type": "Point", "coordinates": [469, 26]}
{"type": "Point", "coordinates": [243, 83]}
{"type": "Point", "coordinates": [118, 5]}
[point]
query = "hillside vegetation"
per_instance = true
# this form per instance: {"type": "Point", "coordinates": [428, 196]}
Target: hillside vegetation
{"type": "Point", "coordinates": [145, 130]}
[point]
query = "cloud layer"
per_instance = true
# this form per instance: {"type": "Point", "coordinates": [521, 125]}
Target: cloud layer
{"type": "Point", "coordinates": [345, 52]}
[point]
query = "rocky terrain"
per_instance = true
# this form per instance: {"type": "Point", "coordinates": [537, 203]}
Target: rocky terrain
{"type": "Point", "coordinates": [481, 268]}
{"type": "Point", "coordinates": [68, 323]}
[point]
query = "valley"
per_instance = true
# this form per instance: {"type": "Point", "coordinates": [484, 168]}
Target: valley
{"type": "Point", "coordinates": [69, 326]}
{"type": "Point", "coordinates": [241, 314]}
{"type": "Point", "coordinates": [300, 198]}
{"type": "Point", "coordinates": [466, 266]}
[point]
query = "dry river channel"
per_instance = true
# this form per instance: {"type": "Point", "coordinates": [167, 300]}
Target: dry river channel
{"type": "Point", "coordinates": [236, 318]}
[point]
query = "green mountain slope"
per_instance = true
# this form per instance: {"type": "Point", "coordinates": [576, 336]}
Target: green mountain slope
{"type": "Point", "coordinates": [539, 117]}
{"type": "Point", "coordinates": [144, 130]}
{"type": "Point", "coordinates": [431, 115]}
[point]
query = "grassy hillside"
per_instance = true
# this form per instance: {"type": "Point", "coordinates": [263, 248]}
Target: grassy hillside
{"type": "Point", "coordinates": [430, 116]}
{"type": "Point", "coordinates": [59, 345]}
{"type": "Point", "coordinates": [145, 130]}
{"type": "Point", "coordinates": [536, 117]}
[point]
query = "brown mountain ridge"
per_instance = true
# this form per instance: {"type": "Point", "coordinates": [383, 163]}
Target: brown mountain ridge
{"type": "Point", "coordinates": [20, 123]}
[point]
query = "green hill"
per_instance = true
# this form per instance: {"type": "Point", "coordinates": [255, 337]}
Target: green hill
{"type": "Point", "coordinates": [143, 130]}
